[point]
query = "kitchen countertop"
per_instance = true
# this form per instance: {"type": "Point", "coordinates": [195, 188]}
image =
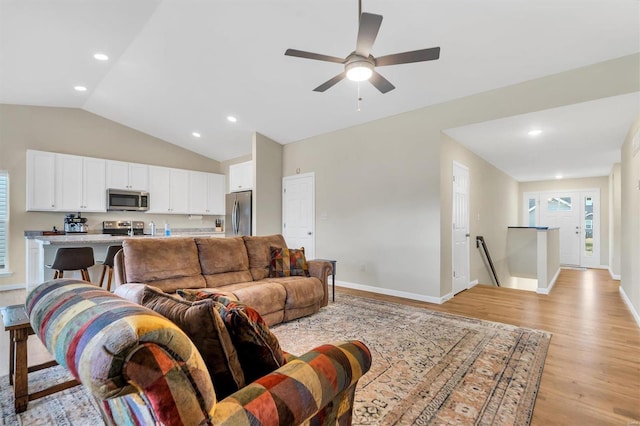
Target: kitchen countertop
{"type": "Point", "coordinates": [105, 238]}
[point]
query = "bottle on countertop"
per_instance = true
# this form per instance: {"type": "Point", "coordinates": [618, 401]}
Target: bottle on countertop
{"type": "Point", "coordinates": [152, 228]}
{"type": "Point", "coordinates": [167, 230]}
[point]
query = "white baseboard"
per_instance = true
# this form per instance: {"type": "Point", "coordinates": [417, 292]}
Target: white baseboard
{"type": "Point", "coordinates": [547, 290]}
{"type": "Point", "coordinates": [473, 284]}
{"type": "Point", "coordinates": [630, 305]}
{"type": "Point", "coordinates": [396, 293]}
{"type": "Point", "coordinates": [614, 276]}
{"type": "Point", "coordinates": [13, 287]}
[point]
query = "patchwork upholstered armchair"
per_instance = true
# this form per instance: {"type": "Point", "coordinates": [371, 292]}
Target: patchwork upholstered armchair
{"type": "Point", "coordinates": [143, 369]}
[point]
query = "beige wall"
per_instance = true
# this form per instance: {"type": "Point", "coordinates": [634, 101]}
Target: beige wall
{"type": "Point", "coordinates": [493, 198]}
{"type": "Point", "coordinates": [630, 225]}
{"type": "Point", "coordinates": [267, 196]}
{"type": "Point", "coordinates": [615, 213]}
{"type": "Point", "coordinates": [601, 183]}
{"type": "Point", "coordinates": [73, 131]}
{"type": "Point", "coordinates": [378, 185]}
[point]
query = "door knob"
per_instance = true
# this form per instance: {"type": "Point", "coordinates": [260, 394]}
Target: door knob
{"type": "Point", "coordinates": [309, 233]}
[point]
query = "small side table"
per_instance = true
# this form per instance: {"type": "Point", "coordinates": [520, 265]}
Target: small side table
{"type": "Point", "coordinates": [333, 276]}
{"type": "Point", "coordinates": [17, 324]}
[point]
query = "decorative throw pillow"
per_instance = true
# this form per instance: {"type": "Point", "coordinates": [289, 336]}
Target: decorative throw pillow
{"type": "Point", "coordinates": [202, 323]}
{"type": "Point", "coordinates": [258, 348]}
{"type": "Point", "coordinates": [288, 262]}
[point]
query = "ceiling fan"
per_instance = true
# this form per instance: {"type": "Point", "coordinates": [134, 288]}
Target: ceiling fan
{"type": "Point", "coordinates": [360, 64]}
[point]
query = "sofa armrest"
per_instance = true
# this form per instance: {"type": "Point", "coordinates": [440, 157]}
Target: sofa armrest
{"type": "Point", "coordinates": [319, 384]}
{"type": "Point", "coordinates": [130, 358]}
{"type": "Point", "coordinates": [321, 269]}
{"type": "Point", "coordinates": [132, 292]}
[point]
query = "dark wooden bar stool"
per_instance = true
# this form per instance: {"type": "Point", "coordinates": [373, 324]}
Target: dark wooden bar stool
{"type": "Point", "coordinates": [107, 264]}
{"type": "Point", "coordinates": [73, 259]}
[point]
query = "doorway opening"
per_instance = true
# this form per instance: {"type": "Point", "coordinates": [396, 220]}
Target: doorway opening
{"type": "Point", "coordinates": [577, 214]}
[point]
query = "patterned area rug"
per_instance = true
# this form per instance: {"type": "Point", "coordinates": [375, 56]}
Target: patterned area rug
{"type": "Point", "coordinates": [73, 406]}
{"type": "Point", "coordinates": [428, 368]}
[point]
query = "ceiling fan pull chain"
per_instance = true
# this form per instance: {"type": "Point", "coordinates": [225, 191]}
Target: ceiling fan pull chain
{"type": "Point", "coordinates": [359, 98]}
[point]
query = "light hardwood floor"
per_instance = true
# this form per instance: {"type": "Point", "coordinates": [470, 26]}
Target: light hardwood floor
{"type": "Point", "coordinates": [592, 371]}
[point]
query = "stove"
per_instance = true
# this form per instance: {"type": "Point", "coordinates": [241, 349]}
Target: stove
{"type": "Point", "coordinates": [122, 227]}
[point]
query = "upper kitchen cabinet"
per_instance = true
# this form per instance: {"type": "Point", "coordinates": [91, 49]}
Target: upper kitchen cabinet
{"type": "Point", "coordinates": [60, 182]}
{"type": "Point", "coordinates": [241, 176]}
{"type": "Point", "coordinates": [80, 183]}
{"type": "Point", "coordinates": [41, 180]}
{"type": "Point", "coordinates": [128, 176]}
{"type": "Point", "coordinates": [206, 193]}
{"type": "Point", "coordinates": [168, 190]}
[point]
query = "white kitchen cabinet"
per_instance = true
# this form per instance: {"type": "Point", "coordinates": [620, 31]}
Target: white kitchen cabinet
{"type": "Point", "coordinates": [80, 184]}
{"type": "Point", "coordinates": [216, 191]}
{"type": "Point", "coordinates": [206, 193]}
{"type": "Point", "coordinates": [168, 190]}
{"type": "Point", "coordinates": [241, 176]}
{"type": "Point", "coordinates": [127, 176]}
{"type": "Point", "coordinates": [198, 192]}
{"type": "Point", "coordinates": [41, 181]}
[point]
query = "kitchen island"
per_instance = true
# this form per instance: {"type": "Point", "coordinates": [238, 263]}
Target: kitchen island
{"type": "Point", "coordinates": [41, 250]}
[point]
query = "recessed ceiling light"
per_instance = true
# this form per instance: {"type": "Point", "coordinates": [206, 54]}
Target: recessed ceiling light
{"type": "Point", "coordinates": [558, 176]}
{"type": "Point", "coordinates": [232, 119]}
{"type": "Point", "coordinates": [196, 134]}
{"type": "Point", "coordinates": [101, 57]}
{"type": "Point", "coordinates": [80, 88]}
{"type": "Point", "coordinates": [534, 132]}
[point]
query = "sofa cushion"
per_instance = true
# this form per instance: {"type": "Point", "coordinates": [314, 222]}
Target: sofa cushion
{"type": "Point", "coordinates": [288, 262]}
{"type": "Point", "coordinates": [301, 291]}
{"type": "Point", "coordinates": [166, 263]}
{"type": "Point", "coordinates": [259, 254]}
{"type": "Point", "coordinates": [258, 348]}
{"type": "Point", "coordinates": [223, 260]}
{"type": "Point", "coordinates": [201, 321]}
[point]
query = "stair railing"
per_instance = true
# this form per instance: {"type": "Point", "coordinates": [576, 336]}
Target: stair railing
{"type": "Point", "coordinates": [480, 241]}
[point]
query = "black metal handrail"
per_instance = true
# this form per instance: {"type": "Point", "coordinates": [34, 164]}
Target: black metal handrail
{"type": "Point", "coordinates": [480, 240]}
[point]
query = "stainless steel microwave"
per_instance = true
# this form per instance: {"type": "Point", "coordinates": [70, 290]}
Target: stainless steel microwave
{"type": "Point", "coordinates": [121, 200]}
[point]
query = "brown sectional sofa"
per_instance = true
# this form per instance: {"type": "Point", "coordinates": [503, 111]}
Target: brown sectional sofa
{"type": "Point", "coordinates": [237, 266]}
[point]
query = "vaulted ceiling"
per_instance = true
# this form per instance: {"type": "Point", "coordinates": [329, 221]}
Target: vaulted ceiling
{"type": "Point", "coordinates": [181, 66]}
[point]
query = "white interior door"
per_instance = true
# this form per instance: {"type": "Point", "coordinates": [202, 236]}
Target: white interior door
{"type": "Point", "coordinates": [460, 228]}
{"type": "Point", "coordinates": [562, 210]}
{"type": "Point", "coordinates": [298, 212]}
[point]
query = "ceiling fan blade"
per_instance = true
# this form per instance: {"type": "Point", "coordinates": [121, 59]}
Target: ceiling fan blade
{"type": "Point", "coordinates": [409, 57]}
{"type": "Point", "coordinates": [381, 83]}
{"type": "Point", "coordinates": [330, 83]}
{"type": "Point", "coordinates": [367, 33]}
{"type": "Point", "coordinates": [310, 55]}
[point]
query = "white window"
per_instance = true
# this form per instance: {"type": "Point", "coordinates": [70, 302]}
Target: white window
{"type": "Point", "coordinates": [4, 221]}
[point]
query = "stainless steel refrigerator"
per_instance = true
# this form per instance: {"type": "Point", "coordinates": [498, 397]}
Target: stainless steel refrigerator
{"type": "Point", "coordinates": [238, 214]}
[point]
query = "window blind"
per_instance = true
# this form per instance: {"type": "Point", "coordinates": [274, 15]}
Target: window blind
{"type": "Point", "coordinates": [4, 218]}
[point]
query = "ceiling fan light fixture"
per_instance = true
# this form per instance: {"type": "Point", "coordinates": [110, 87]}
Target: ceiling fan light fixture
{"type": "Point", "coordinates": [359, 70]}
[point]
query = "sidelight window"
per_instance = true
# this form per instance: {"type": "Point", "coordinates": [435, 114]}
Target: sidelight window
{"type": "Point", "coordinates": [588, 225]}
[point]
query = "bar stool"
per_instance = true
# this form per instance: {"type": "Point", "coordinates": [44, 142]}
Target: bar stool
{"type": "Point", "coordinates": [107, 264]}
{"type": "Point", "coordinates": [73, 259]}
